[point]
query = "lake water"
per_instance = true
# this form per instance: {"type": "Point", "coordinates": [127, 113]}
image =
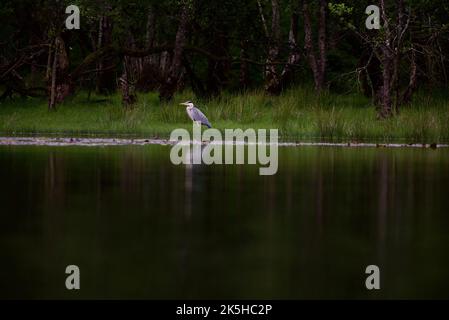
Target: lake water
{"type": "Point", "coordinates": [139, 227]}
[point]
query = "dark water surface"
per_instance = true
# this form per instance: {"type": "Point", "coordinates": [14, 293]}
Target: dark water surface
{"type": "Point", "coordinates": [139, 227]}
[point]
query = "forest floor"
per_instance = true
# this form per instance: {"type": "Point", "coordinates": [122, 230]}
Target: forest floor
{"type": "Point", "coordinates": [299, 114]}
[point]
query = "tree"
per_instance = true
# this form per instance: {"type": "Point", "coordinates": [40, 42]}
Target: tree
{"type": "Point", "coordinates": [169, 86]}
{"type": "Point", "coordinates": [317, 60]}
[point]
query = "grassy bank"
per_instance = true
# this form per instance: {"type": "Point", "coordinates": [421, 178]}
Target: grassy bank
{"type": "Point", "coordinates": [299, 114]}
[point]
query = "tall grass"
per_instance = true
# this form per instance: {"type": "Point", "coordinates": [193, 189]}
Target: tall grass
{"type": "Point", "coordinates": [299, 114]}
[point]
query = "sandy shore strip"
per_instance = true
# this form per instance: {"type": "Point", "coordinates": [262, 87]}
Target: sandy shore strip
{"type": "Point", "coordinates": [95, 142]}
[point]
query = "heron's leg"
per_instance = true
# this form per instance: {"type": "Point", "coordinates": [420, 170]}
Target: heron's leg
{"type": "Point", "coordinates": [198, 123]}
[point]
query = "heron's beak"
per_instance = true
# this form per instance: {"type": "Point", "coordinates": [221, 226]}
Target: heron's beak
{"type": "Point", "coordinates": [182, 104]}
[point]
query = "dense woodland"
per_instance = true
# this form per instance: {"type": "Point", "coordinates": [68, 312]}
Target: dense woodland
{"type": "Point", "coordinates": [227, 45]}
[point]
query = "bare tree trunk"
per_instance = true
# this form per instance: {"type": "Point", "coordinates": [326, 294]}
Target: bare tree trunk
{"type": "Point", "coordinates": [150, 35]}
{"type": "Point", "coordinates": [60, 85]}
{"type": "Point", "coordinates": [64, 85]}
{"type": "Point", "coordinates": [385, 110]}
{"type": "Point", "coordinates": [318, 65]}
{"type": "Point", "coordinates": [271, 74]}
{"type": "Point", "coordinates": [322, 44]}
{"type": "Point", "coordinates": [150, 28]}
{"type": "Point", "coordinates": [132, 72]}
{"type": "Point", "coordinates": [49, 62]}
{"type": "Point", "coordinates": [308, 42]}
{"type": "Point", "coordinates": [106, 78]}
{"type": "Point", "coordinates": [294, 56]}
{"type": "Point", "coordinates": [385, 94]}
{"type": "Point", "coordinates": [99, 46]}
{"type": "Point", "coordinates": [163, 63]}
{"type": "Point", "coordinates": [168, 88]}
{"type": "Point", "coordinates": [407, 96]}
{"type": "Point", "coordinates": [276, 81]}
{"type": "Point", "coordinates": [400, 28]}
{"type": "Point", "coordinates": [128, 95]}
{"type": "Point", "coordinates": [51, 104]}
{"type": "Point", "coordinates": [262, 18]}
{"type": "Point", "coordinates": [244, 72]}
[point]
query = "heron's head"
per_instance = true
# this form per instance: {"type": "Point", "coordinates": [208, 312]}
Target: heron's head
{"type": "Point", "coordinates": [187, 103]}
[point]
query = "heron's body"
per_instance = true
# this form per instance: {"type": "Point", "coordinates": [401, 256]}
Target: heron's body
{"type": "Point", "coordinates": [196, 115]}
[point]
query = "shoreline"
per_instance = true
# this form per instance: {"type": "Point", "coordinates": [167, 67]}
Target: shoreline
{"type": "Point", "coordinates": [98, 142]}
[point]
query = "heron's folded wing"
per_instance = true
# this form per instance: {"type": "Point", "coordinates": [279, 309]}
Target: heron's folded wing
{"type": "Point", "coordinates": [199, 116]}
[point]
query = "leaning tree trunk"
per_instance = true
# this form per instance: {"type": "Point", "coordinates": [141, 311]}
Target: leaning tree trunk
{"type": "Point", "coordinates": [49, 62]}
{"type": "Point", "coordinates": [51, 102]}
{"type": "Point", "coordinates": [412, 84]}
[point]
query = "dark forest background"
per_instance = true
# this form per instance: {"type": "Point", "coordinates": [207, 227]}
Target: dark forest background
{"type": "Point", "coordinates": [226, 45]}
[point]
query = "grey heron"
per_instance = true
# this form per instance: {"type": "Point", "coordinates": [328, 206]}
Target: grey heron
{"type": "Point", "coordinates": [195, 114]}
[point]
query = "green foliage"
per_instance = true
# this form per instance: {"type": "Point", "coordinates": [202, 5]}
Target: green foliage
{"type": "Point", "coordinates": [340, 9]}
